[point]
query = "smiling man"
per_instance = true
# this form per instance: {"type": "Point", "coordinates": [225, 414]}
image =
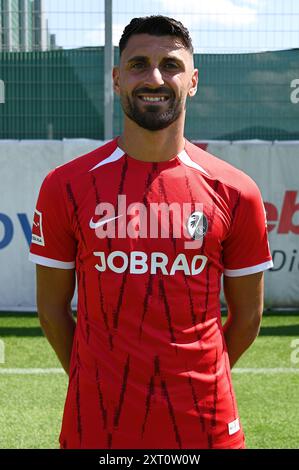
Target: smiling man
{"type": "Point", "coordinates": [173, 76]}
{"type": "Point", "coordinates": [149, 223]}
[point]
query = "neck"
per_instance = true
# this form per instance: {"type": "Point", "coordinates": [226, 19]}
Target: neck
{"type": "Point", "coordinates": [152, 146]}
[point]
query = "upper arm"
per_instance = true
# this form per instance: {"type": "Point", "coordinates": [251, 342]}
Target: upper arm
{"type": "Point", "coordinates": [54, 241]}
{"type": "Point", "coordinates": [53, 248]}
{"type": "Point", "coordinates": [245, 296]}
{"type": "Point", "coordinates": [245, 249]}
{"type": "Point", "coordinates": [246, 255]}
{"type": "Point", "coordinates": [55, 288]}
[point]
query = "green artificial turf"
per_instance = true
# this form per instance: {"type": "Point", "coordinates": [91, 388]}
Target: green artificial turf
{"type": "Point", "coordinates": [31, 406]}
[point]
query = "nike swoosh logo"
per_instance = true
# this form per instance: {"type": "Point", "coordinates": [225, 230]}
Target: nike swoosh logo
{"type": "Point", "coordinates": [95, 225]}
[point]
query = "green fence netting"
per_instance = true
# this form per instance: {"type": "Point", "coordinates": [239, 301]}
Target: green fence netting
{"type": "Point", "coordinates": [60, 94]}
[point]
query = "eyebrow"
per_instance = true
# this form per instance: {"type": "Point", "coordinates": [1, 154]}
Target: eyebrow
{"type": "Point", "coordinates": [138, 58]}
{"type": "Point", "coordinates": [142, 58]}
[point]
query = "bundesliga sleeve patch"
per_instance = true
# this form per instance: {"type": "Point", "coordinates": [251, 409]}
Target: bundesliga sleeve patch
{"type": "Point", "coordinates": [37, 229]}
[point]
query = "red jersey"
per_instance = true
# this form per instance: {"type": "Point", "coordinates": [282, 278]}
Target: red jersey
{"type": "Point", "coordinates": [150, 242]}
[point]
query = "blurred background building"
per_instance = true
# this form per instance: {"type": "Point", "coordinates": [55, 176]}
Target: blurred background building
{"type": "Point", "coordinates": [24, 26]}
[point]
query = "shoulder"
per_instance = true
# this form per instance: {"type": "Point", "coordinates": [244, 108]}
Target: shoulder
{"type": "Point", "coordinates": [223, 172]}
{"type": "Point", "coordinates": [81, 166]}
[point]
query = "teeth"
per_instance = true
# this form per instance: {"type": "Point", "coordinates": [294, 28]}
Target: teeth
{"type": "Point", "coordinates": [153, 98]}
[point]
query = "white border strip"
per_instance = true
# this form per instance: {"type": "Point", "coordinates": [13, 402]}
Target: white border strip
{"type": "Point", "coordinates": [51, 263]}
{"type": "Point", "coordinates": [250, 270]}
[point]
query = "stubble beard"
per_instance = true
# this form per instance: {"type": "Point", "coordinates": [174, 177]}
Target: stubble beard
{"type": "Point", "coordinates": [152, 118]}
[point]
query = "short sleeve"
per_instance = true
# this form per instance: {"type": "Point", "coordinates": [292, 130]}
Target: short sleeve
{"type": "Point", "coordinates": [246, 248]}
{"type": "Point", "coordinates": [53, 242]}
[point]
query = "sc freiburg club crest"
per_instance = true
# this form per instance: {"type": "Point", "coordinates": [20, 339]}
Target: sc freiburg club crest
{"type": "Point", "coordinates": [197, 225]}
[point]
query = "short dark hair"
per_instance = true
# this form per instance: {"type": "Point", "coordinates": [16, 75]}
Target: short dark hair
{"type": "Point", "coordinates": [156, 25]}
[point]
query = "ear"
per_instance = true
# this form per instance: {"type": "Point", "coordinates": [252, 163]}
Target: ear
{"type": "Point", "coordinates": [194, 83]}
{"type": "Point", "coordinates": [115, 77]}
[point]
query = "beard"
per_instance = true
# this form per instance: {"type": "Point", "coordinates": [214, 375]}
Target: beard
{"type": "Point", "coordinates": [152, 117]}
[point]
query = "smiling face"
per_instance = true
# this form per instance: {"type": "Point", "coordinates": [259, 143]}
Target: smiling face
{"type": "Point", "coordinates": [155, 76]}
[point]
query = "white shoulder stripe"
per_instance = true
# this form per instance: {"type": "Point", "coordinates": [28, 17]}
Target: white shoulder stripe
{"type": "Point", "coordinates": [116, 155]}
{"type": "Point", "coordinates": [184, 157]}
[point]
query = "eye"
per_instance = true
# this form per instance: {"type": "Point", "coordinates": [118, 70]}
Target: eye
{"type": "Point", "coordinates": [137, 65]}
{"type": "Point", "coordinates": [171, 65]}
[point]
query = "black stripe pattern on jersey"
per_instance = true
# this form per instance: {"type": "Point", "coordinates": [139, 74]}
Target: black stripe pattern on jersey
{"type": "Point", "coordinates": [214, 407]}
{"type": "Point", "coordinates": [75, 208]}
{"type": "Point", "coordinates": [148, 294]}
{"type": "Point", "coordinates": [148, 184]}
{"type": "Point", "coordinates": [215, 399]}
{"type": "Point", "coordinates": [116, 312]}
{"type": "Point", "coordinates": [149, 286]}
{"type": "Point", "coordinates": [196, 404]}
{"type": "Point", "coordinates": [208, 267]}
{"type": "Point", "coordinates": [162, 295]}
{"type": "Point", "coordinates": [78, 403]}
{"type": "Point", "coordinates": [166, 396]}
{"type": "Point", "coordinates": [119, 301]}
{"type": "Point", "coordinates": [74, 365]}
{"type": "Point", "coordinates": [171, 413]}
{"type": "Point", "coordinates": [235, 209]}
{"type": "Point", "coordinates": [150, 394]}
{"type": "Point", "coordinates": [123, 176]}
{"type": "Point", "coordinates": [192, 312]}
{"type": "Point", "coordinates": [101, 295]}
{"type": "Point", "coordinates": [170, 407]}
{"type": "Point", "coordinates": [163, 196]}
{"type": "Point", "coordinates": [80, 270]}
{"type": "Point", "coordinates": [81, 277]}
{"type": "Point", "coordinates": [189, 188]}
{"type": "Point", "coordinates": [101, 400]}
{"type": "Point", "coordinates": [122, 393]}
{"type": "Point", "coordinates": [104, 313]}
{"type": "Point", "coordinates": [94, 184]}
{"type": "Point", "coordinates": [87, 326]}
{"type": "Point", "coordinates": [121, 185]}
{"type": "Point", "coordinates": [109, 440]}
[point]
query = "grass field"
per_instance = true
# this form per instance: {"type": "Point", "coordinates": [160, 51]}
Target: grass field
{"type": "Point", "coordinates": [266, 381]}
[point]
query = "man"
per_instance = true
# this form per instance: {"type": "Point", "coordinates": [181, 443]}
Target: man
{"type": "Point", "coordinates": [150, 222]}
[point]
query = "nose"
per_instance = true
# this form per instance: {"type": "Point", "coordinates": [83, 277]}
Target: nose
{"type": "Point", "coordinates": [154, 78]}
